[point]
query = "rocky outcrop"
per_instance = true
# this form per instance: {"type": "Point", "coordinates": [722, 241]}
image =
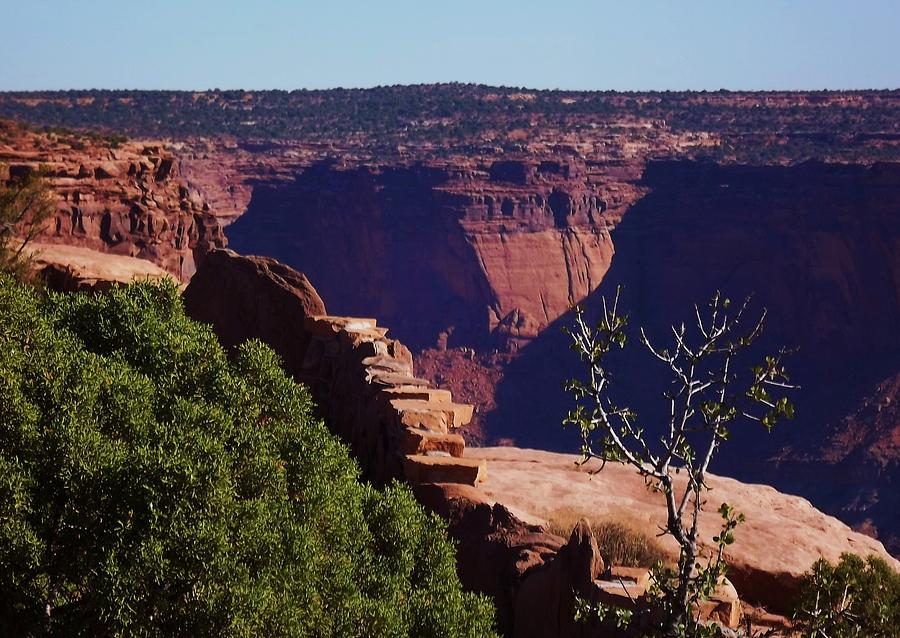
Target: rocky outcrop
{"type": "Point", "coordinates": [125, 198]}
{"type": "Point", "coordinates": [254, 298]}
{"type": "Point", "coordinates": [491, 253]}
{"type": "Point", "coordinates": [546, 605]}
{"type": "Point", "coordinates": [469, 254]}
{"type": "Point", "coordinates": [783, 536]}
{"type": "Point", "coordinates": [395, 425]}
{"type": "Point", "coordinates": [73, 269]}
{"type": "Point", "coordinates": [495, 549]}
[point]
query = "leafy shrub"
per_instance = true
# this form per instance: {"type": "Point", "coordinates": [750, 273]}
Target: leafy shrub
{"type": "Point", "coordinates": [150, 486]}
{"type": "Point", "coordinates": [707, 397]}
{"type": "Point", "coordinates": [854, 598]}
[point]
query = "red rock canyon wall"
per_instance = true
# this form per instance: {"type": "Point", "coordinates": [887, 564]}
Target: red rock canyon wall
{"type": "Point", "coordinates": [126, 198]}
{"type": "Point", "coordinates": [469, 255]}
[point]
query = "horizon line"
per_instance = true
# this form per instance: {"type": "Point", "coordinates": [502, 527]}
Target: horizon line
{"type": "Point", "coordinates": [501, 87]}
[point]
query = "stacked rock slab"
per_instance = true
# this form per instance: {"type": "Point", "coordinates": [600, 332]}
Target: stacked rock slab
{"type": "Point", "coordinates": [363, 381]}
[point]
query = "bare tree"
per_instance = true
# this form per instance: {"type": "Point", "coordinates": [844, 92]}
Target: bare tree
{"type": "Point", "coordinates": [26, 203]}
{"type": "Point", "coordinates": [708, 394]}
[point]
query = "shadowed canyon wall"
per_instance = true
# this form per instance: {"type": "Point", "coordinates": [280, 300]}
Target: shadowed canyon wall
{"type": "Point", "coordinates": [819, 247]}
{"type": "Point", "coordinates": [461, 255]}
{"type": "Point", "coordinates": [494, 257]}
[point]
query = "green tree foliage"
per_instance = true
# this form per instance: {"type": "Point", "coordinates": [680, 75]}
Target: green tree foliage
{"type": "Point", "coordinates": [854, 599]}
{"type": "Point", "coordinates": [150, 486]}
{"type": "Point", "coordinates": [26, 203]}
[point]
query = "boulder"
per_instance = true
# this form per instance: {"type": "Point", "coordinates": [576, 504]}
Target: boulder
{"type": "Point", "coordinates": [723, 607]}
{"type": "Point", "coordinates": [254, 297]}
{"type": "Point", "coordinates": [419, 441]}
{"type": "Point", "coordinates": [109, 170]}
{"type": "Point", "coordinates": [495, 549]}
{"type": "Point", "coordinates": [425, 468]}
{"type": "Point", "coordinates": [546, 603]}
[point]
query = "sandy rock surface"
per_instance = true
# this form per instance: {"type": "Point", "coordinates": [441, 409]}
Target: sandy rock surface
{"type": "Point", "coordinates": [781, 539]}
{"type": "Point", "coordinates": [77, 268]}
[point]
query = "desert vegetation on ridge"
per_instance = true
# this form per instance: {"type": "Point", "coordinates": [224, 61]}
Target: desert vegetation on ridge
{"type": "Point", "coordinates": [150, 486]}
{"type": "Point", "coordinates": [756, 127]}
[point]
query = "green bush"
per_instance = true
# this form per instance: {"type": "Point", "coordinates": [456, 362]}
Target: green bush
{"type": "Point", "coordinates": [150, 486]}
{"type": "Point", "coordinates": [855, 598]}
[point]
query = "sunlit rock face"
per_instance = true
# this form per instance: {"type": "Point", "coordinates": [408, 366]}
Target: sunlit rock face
{"type": "Point", "coordinates": [125, 198]}
{"type": "Point", "coordinates": [482, 254]}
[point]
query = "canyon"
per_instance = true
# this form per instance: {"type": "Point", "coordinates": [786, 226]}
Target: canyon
{"type": "Point", "coordinates": [497, 502]}
{"type": "Point", "coordinates": [816, 244]}
{"type": "Point", "coordinates": [473, 225]}
{"type": "Point", "coordinates": [480, 255]}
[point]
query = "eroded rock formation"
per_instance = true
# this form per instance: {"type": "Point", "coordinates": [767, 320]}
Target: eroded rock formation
{"type": "Point", "coordinates": [398, 426]}
{"type": "Point", "coordinates": [468, 254]}
{"type": "Point", "coordinates": [125, 198]}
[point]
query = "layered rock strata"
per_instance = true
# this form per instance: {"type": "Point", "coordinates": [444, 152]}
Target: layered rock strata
{"type": "Point", "coordinates": [126, 198]}
{"type": "Point", "coordinates": [396, 425]}
{"type": "Point", "coordinates": [485, 254]}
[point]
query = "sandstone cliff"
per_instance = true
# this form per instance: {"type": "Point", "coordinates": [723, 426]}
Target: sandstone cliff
{"type": "Point", "coordinates": [482, 254]}
{"type": "Point", "coordinates": [125, 198]}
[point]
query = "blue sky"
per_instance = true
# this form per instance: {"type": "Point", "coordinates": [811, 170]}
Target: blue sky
{"type": "Point", "coordinates": [569, 44]}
